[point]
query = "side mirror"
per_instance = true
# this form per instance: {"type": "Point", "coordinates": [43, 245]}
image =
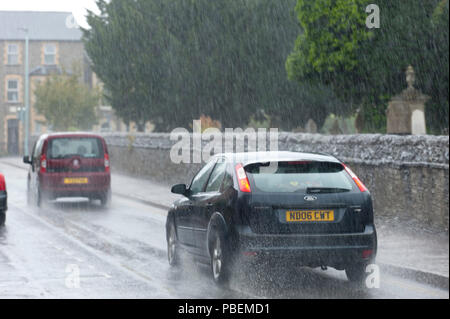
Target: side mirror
{"type": "Point", "coordinates": [27, 160]}
{"type": "Point", "coordinates": [179, 189]}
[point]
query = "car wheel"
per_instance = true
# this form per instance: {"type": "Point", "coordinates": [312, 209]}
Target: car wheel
{"type": "Point", "coordinates": [356, 272]}
{"type": "Point", "coordinates": [105, 200]}
{"type": "Point", "coordinates": [38, 197]}
{"type": "Point", "coordinates": [220, 261]}
{"type": "Point", "coordinates": [173, 255]}
{"type": "Point", "coordinates": [2, 218]}
{"type": "Point", "coordinates": [29, 197]}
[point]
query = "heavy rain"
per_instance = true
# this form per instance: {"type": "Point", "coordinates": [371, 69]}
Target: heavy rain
{"type": "Point", "coordinates": [226, 149]}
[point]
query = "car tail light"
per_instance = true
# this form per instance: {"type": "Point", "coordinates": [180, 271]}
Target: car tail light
{"type": "Point", "coordinates": [43, 163]}
{"type": "Point", "coordinates": [367, 253]}
{"type": "Point", "coordinates": [2, 183]}
{"type": "Point", "coordinates": [250, 253]}
{"type": "Point", "coordinates": [244, 185]}
{"type": "Point", "coordinates": [355, 178]}
{"type": "Point", "coordinates": [107, 169]}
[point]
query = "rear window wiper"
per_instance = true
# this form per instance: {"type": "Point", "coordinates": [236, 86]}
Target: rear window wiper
{"type": "Point", "coordinates": [315, 190]}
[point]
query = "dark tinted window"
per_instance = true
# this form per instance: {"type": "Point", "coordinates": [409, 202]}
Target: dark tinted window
{"type": "Point", "coordinates": [200, 179]}
{"type": "Point", "coordinates": [87, 147]}
{"type": "Point", "coordinates": [290, 177]}
{"type": "Point", "coordinates": [38, 148]}
{"type": "Point", "coordinates": [227, 180]}
{"type": "Point", "coordinates": [34, 153]}
{"type": "Point", "coordinates": [216, 177]}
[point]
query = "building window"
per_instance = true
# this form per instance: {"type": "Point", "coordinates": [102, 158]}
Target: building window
{"type": "Point", "coordinates": [13, 91]}
{"type": "Point", "coordinates": [50, 54]}
{"type": "Point", "coordinates": [13, 54]}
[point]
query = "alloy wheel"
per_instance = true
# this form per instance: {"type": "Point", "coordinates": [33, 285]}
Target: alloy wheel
{"type": "Point", "coordinates": [217, 259]}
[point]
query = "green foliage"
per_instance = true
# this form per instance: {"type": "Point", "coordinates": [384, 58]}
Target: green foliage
{"type": "Point", "coordinates": [366, 67]}
{"type": "Point", "coordinates": [66, 103]}
{"type": "Point", "coordinates": [332, 31]}
{"type": "Point", "coordinates": [171, 61]}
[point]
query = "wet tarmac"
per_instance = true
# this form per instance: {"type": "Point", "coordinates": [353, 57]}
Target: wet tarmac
{"type": "Point", "coordinates": [77, 249]}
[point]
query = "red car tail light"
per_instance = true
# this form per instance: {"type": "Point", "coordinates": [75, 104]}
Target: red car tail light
{"type": "Point", "coordinates": [244, 185]}
{"type": "Point", "coordinates": [250, 253]}
{"type": "Point", "coordinates": [355, 178]}
{"type": "Point", "coordinates": [2, 183]}
{"type": "Point", "coordinates": [367, 253]}
{"type": "Point", "coordinates": [43, 161]}
{"type": "Point", "coordinates": [107, 168]}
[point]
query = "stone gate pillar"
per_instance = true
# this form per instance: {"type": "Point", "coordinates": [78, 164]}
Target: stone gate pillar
{"type": "Point", "coordinates": [406, 111]}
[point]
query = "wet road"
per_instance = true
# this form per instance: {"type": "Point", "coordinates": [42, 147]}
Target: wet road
{"type": "Point", "coordinates": [76, 249]}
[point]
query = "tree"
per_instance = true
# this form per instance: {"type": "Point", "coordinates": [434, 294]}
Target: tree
{"type": "Point", "coordinates": [66, 103]}
{"type": "Point", "coordinates": [171, 61]}
{"type": "Point", "coordinates": [365, 67]}
{"type": "Point", "coordinates": [128, 49]}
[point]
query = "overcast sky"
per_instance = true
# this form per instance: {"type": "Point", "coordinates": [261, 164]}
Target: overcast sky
{"type": "Point", "coordinates": [77, 7]}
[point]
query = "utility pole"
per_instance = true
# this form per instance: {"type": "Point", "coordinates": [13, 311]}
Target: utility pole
{"type": "Point", "coordinates": [27, 95]}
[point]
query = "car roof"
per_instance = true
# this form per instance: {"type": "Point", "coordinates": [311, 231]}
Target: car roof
{"type": "Point", "coordinates": [70, 134]}
{"type": "Point", "coordinates": [247, 158]}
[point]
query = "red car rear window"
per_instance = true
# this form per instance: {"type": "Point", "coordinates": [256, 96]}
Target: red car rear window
{"type": "Point", "coordinates": [65, 147]}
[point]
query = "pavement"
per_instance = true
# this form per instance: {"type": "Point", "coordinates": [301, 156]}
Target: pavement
{"type": "Point", "coordinates": [410, 252]}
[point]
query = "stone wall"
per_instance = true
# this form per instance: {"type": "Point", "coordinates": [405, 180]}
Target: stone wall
{"type": "Point", "coordinates": [407, 175]}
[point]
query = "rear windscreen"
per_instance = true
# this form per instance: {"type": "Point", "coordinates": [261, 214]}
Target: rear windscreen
{"type": "Point", "coordinates": [86, 147]}
{"type": "Point", "coordinates": [291, 177]}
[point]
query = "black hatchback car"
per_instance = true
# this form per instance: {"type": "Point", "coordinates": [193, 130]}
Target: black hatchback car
{"type": "Point", "coordinates": [305, 209]}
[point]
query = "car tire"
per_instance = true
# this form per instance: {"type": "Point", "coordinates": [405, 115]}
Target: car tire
{"type": "Point", "coordinates": [356, 273]}
{"type": "Point", "coordinates": [29, 197]}
{"type": "Point", "coordinates": [2, 218]}
{"type": "Point", "coordinates": [220, 258]}
{"type": "Point", "coordinates": [39, 197]}
{"type": "Point", "coordinates": [105, 199]}
{"type": "Point", "coordinates": [173, 255]}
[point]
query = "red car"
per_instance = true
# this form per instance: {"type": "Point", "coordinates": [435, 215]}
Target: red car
{"type": "Point", "coordinates": [3, 200]}
{"type": "Point", "coordinates": [69, 165]}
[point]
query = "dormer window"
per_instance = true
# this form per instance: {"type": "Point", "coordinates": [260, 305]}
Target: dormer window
{"type": "Point", "coordinates": [50, 54]}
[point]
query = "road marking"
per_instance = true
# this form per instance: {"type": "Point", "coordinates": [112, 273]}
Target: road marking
{"type": "Point", "coordinates": [104, 274]}
{"type": "Point", "coordinates": [137, 272]}
{"type": "Point", "coordinates": [92, 251]}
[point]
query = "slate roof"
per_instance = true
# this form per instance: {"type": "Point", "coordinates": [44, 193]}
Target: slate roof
{"type": "Point", "coordinates": [55, 26]}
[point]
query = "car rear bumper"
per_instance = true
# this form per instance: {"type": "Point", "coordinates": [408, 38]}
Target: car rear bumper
{"type": "Point", "coordinates": [53, 184]}
{"type": "Point", "coordinates": [3, 201]}
{"type": "Point", "coordinates": [314, 250]}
